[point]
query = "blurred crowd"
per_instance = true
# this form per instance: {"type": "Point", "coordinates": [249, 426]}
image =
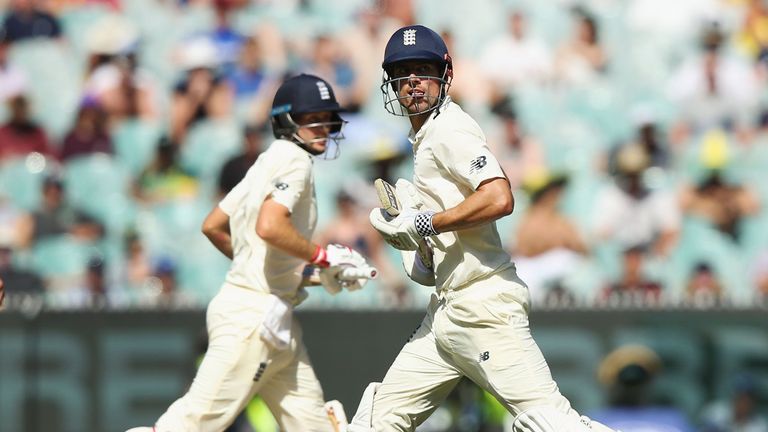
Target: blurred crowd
{"type": "Point", "coordinates": [634, 133]}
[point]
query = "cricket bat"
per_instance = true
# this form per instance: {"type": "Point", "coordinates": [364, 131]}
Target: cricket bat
{"type": "Point", "coordinates": [392, 205]}
{"type": "Point", "coordinates": [311, 274]}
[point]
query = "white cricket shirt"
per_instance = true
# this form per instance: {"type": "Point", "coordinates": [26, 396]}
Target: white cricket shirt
{"type": "Point", "coordinates": [284, 170]}
{"type": "Point", "coordinates": [451, 159]}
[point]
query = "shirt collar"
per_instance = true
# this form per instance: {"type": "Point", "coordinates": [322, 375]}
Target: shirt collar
{"type": "Point", "coordinates": [416, 137]}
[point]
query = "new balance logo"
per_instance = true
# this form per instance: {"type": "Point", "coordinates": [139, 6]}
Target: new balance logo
{"type": "Point", "coordinates": [409, 37]}
{"type": "Point", "coordinates": [484, 356]}
{"type": "Point", "coordinates": [477, 164]}
{"type": "Point", "coordinates": [325, 94]}
{"type": "Point", "coordinates": [260, 372]}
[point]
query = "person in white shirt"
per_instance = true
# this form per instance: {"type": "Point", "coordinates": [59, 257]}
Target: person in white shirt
{"type": "Point", "coordinates": [264, 225]}
{"type": "Point", "coordinates": [477, 320]}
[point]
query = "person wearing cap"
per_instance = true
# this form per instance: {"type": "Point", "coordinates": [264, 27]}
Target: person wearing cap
{"type": "Point", "coordinates": [264, 224]}
{"type": "Point", "coordinates": [476, 324]}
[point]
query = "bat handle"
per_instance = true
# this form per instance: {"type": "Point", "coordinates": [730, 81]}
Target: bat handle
{"type": "Point", "coordinates": [352, 273]}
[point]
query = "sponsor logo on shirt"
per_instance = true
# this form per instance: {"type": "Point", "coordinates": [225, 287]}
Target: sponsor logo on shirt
{"type": "Point", "coordinates": [477, 164]}
{"type": "Point", "coordinates": [281, 185]}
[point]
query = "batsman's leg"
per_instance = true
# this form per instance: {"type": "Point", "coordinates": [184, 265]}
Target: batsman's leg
{"type": "Point", "coordinates": [420, 378]}
{"type": "Point", "coordinates": [224, 382]}
{"type": "Point", "coordinates": [294, 394]}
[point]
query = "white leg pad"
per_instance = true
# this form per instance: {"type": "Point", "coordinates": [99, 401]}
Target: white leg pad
{"type": "Point", "coordinates": [362, 422]}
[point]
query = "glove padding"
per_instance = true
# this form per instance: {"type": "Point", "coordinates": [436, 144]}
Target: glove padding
{"type": "Point", "coordinates": [339, 257]}
{"type": "Point", "coordinates": [416, 269]}
{"type": "Point", "coordinates": [407, 230]}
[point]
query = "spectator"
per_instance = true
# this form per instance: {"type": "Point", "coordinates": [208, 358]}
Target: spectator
{"type": "Point", "coordinates": [138, 267]}
{"type": "Point", "coordinates": [739, 414]}
{"type": "Point", "coordinates": [57, 217]}
{"type": "Point", "coordinates": [582, 58]}
{"type": "Point", "coordinates": [202, 93]}
{"type": "Point", "coordinates": [351, 227]}
{"type": "Point", "coordinates": [328, 59]}
{"type": "Point", "coordinates": [17, 281]}
{"type": "Point", "coordinates": [516, 58]}
{"type": "Point", "coordinates": [89, 134]}
{"type": "Point", "coordinates": [628, 373]}
{"type": "Point", "coordinates": [21, 135]}
{"type": "Point", "coordinates": [27, 20]}
{"type": "Point", "coordinates": [752, 37]}
{"type": "Point", "coordinates": [760, 276]}
{"type": "Point", "coordinates": [227, 41]}
{"type": "Point", "coordinates": [16, 221]}
{"type": "Point", "coordinates": [714, 90]}
{"type": "Point", "coordinates": [648, 136]}
{"type": "Point", "coordinates": [249, 75]}
{"type": "Point", "coordinates": [466, 89]}
{"type": "Point", "coordinates": [634, 287]}
{"type": "Point", "coordinates": [164, 180]}
{"type": "Point", "coordinates": [115, 78]}
{"type": "Point", "coordinates": [235, 168]}
{"type": "Point", "coordinates": [723, 204]}
{"type": "Point", "coordinates": [547, 246]}
{"type": "Point", "coordinates": [628, 213]}
{"type": "Point", "coordinates": [519, 152]}
{"type": "Point", "coordinates": [13, 82]}
{"type": "Point", "coordinates": [703, 288]}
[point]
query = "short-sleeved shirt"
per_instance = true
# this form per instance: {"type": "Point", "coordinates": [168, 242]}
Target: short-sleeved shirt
{"type": "Point", "coordinates": [451, 160]}
{"type": "Point", "coordinates": [283, 171]}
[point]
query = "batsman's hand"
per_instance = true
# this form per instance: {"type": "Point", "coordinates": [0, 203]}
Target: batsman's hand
{"type": "Point", "coordinates": [404, 231]}
{"type": "Point", "coordinates": [340, 257]}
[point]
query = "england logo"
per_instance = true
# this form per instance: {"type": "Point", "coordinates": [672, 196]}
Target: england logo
{"type": "Point", "coordinates": [325, 94]}
{"type": "Point", "coordinates": [409, 37]}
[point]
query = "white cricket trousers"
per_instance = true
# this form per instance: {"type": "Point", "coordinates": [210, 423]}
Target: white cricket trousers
{"type": "Point", "coordinates": [238, 364]}
{"type": "Point", "coordinates": [481, 332]}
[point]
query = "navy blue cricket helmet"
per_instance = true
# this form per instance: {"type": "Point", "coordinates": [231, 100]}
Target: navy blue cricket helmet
{"type": "Point", "coordinates": [303, 94]}
{"type": "Point", "coordinates": [414, 43]}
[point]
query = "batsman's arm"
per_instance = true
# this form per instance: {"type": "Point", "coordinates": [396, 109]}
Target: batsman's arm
{"type": "Point", "coordinates": [492, 200]}
{"type": "Point", "coordinates": [216, 228]}
{"type": "Point", "coordinates": [274, 226]}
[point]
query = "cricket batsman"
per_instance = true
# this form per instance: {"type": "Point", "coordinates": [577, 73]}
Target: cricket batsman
{"type": "Point", "coordinates": [476, 323]}
{"type": "Point", "coordinates": [264, 225]}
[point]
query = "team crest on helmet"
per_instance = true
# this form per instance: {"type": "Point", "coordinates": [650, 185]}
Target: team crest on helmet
{"type": "Point", "coordinates": [325, 94]}
{"type": "Point", "coordinates": [409, 37]}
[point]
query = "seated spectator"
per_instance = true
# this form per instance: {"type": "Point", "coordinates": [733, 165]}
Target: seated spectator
{"type": "Point", "coordinates": [547, 245]}
{"type": "Point", "coordinates": [760, 276]}
{"type": "Point", "coordinates": [17, 281]}
{"type": "Point", "coordinates": [56, 216]}
{"type": "Point", "coordinates": [227, 40]}
{"type": "Point", "coordinates": [351, 227]}
{"type": "Point", "coordinates": [138, 267]}
{"type": "Point", "coordinates": [519, 152]}
{"type": "Point", "coordinates": [516, 58]}
{"type": "Point", "coordinates": [628, 374]}
{"type": "Point", "coordinates": [634, 287]}
{"type": "Point", "coordinates": [740, 412]}
{"type": "Point", "coordinates": [21, 135]}
{"type": "Point", "coordinates": [89, 133]}
{"type": "Point", "coordinates": [581, 58]}
{"type": "Point", "coordinates": [202, 93]}
{"type": "Point", "coordinates": [248, 74]}
{"type": "Point", "coordinates": [328, 58]}
{"type": "Point", "coordinates": [115, 78]}
{"type": "Point", "coordinates": [714, 89]}
{"type": "Point", "coordinates": [13, 81]}
{"type": "Point", "coordinates": [164, 180]}
{"type": "Point", "coordinates": [723, 204]}
{"type": "Point", "coordinates": [703, 288]}
{"type": "Point", "coordinates": [26, 19]}
{"type": "Point", "coordinates": [235, 168]}
{"type": "Point", "coordinates": [627, 212]}
{"type": "Point", "coordinates": [650, 137]}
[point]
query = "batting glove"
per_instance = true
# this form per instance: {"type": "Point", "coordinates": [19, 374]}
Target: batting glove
{"type": "Point", "coordinates": [332, 259]}
{"type": "Point", "coordinates": [406, 230]}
